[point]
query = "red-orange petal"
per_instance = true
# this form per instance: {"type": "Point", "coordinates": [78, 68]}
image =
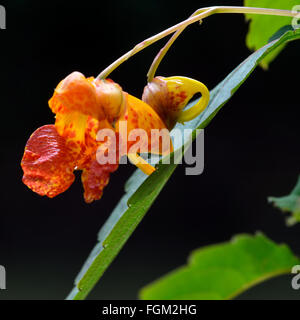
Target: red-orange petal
{"type": "Point", "coordinates": [95, 178]}
{"type": "Point", "coordinates": [47, 163]}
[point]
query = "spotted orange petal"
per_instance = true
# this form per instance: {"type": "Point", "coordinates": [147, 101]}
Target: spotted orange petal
{"type": "Point", "coordinates": [77, 93]}
{"type": "Point", "coordinates": [72, 126]}
{"type": "Point", "coordinates": [139, 115]}
{"type": "Point", "coordinates": [95, 176]}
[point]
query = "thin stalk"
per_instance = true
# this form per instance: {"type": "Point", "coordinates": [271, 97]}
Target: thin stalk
{"type": "Point", "coordinates": [198, 15]}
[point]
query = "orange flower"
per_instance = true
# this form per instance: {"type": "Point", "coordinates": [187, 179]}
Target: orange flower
{"type": "Point", "coordinates": [83, 106]}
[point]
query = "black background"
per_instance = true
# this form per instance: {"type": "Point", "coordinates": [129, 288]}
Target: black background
{"type": "Point", "coordinates": [251, 147]}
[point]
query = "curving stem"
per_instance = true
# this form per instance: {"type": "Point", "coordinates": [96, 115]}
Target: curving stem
{"type": "Point", "coordinates": [197, 16]}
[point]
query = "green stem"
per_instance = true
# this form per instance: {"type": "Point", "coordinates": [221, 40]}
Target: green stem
{"type": "Point", "coordinates": [198, 15]}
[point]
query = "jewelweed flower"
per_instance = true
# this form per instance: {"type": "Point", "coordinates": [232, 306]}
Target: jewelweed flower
{"type": "Point", "coordinates": [84, 106]}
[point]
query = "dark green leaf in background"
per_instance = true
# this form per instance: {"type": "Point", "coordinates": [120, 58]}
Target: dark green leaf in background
{"type": "Point", "coordinates": [289, 203]}
{"type": "Point", "coordinates": [223, 271]}
{"type": "Point", "coordinates": [262, 27]}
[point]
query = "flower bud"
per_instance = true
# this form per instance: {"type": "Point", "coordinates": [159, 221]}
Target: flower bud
{"type": "Point", "coordinates": [111, 98]}
{"type": "Point", "coordinates": [169, 96]}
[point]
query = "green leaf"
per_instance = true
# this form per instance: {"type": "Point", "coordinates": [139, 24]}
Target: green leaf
{"type": "Point", "coordinates": [289, 203]}
{"type": "Point", "coordinates": [223, 271]}
{"type": "Point", "coordinates": [262, 27]}
{"type": "Point", "coordinates": [141, 191]}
